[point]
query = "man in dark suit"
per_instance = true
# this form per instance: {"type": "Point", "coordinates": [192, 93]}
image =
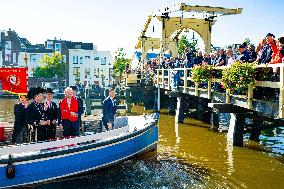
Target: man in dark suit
{"type": "Point", "coordinates": [51, 111]}
{"type": "Point", "coordinates": [109, 110]}
{"type": "Point", "coordinates": [20, 126]}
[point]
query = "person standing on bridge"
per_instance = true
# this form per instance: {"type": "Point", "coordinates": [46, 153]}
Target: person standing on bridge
{"type": "Point", "coordinates": [109, 110]}
{"type": "Point", "coordinates": [20, 126]}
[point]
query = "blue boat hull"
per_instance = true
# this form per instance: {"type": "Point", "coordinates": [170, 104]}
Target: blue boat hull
{"type": "Point", "coordinates": [39, 170]}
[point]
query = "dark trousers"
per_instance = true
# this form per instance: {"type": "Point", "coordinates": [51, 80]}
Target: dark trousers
{"type": "Point", "coordinates": [42, 133]}
{"type": "Point", "coordinates": [51, 131]}
{"type": "Point", "coordinates": [106, 126]}
{"type": "Point", "coordinates": [18, 135]}
{"type": "Point", "coordinates": [70, 128]}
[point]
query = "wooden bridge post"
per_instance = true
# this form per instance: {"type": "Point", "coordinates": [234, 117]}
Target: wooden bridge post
{"type": "Point", "coordinates": [169, 79]}
{"type": "Point", "coordinates": [196, 88]}
{"type": "Point", "coordinates": [281, 94]}
{"type": "Point", "coordinates": [250, 97]}
{"type": "Point", "coordinates": [163, 78]}
{"type": "Point", "coordinates": [185, 80]}
{"type": "Point", "coordinates": [228, 96]}
{"type": "Point", "coordinates": [209, 87]}
{"type": "Point", "coordinates": [159, 98]}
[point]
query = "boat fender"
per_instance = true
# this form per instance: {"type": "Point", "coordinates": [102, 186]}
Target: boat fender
{"type": "Point", "coordinates": [10, 169]}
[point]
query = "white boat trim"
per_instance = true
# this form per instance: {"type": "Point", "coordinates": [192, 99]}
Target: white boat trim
{"type": "Point", "coordinates": [18, 149]}
{"type": "Point", "coordinates": [72, 153]}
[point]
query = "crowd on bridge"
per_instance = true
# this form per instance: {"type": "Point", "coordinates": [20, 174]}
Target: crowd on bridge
{"type": "Point", "coordinates": [269, 51]}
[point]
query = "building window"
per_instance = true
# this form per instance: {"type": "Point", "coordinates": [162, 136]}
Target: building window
{"type": "Point", "coordinates": [7, 57]}
{"type": "Point", "coordinates": [14, 58]}
{"type": "Point", "coordinates": [33, 58]}
{"type": "Point", "coordinates": [87, 72]}
{"type": "Point", "coordinates": [76, 73]}
{"type": "Point", "coordinates": [96, 58]}
{"type": "Point", "coordinates": [77, 46]}
{"type": "Point", "coordinates": [75, 59]}
{"type": "Point", "coordinates": [103, 61]}
{"type": "Point", "coordinates": [49, 44]}
{"type": "Point", "coordinates": [81, 60]}
{"type": "Point", "coordinates": [57, 47]}
{"type": "Point", "coordinates": [8, 45]}
{"type": "Point", "coordinates": [96, 72]}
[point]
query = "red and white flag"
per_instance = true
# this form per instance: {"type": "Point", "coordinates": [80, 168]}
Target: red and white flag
{"type": "Point", "coordinates": [14, 80]}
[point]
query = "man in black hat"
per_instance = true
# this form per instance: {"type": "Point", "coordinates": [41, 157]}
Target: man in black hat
{"type": "Point", "coordinates": [51, 111]}
{"type": "Point", "coordinates": [36, 116]}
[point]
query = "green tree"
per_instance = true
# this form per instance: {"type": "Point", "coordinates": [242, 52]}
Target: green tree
{"type": "Point", "coordinates": [52, 66]}
{"type": "Point", "coordinates": [120, 62]}
{"type": "Point", "coordinates": [247, 41]}
{"type": "Point", "coordinates": [184, 43]}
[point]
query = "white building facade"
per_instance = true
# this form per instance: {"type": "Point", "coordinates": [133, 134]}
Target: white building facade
{"type": "Point", "coordinates": [90, 67]}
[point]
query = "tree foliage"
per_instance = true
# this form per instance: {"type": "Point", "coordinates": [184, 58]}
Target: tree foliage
{"type": "Point", "coordinates": [52, 66]}
{"type": "Point", "coordinates": [247, 41]}
{"type": "Point", "coordinates": [184, 43]}
{"type": "Point", "coordinates": [120, 62]}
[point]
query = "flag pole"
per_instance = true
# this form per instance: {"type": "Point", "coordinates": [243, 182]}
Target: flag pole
{"type": "Point", "coordinates": [26, 65]}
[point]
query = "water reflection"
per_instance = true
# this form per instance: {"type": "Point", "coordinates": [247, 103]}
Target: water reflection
{"type": "Point", "coordinates": [189, 156]}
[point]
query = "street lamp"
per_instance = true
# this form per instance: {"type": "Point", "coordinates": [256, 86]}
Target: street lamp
{"type": "Point", "coordinates": [26, 59]}
{"type": "Point", "coordinates": [103, 81]}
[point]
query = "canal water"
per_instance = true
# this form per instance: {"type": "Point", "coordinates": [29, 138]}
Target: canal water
{"type": "Point", "coordinates": [189, 155]}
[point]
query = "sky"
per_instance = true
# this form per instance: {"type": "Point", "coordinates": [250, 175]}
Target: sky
{"type": "Point", "coordinates": [110, 24]}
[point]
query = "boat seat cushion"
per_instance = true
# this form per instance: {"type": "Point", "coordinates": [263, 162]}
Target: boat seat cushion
{"type": "Point", "coordinates": [120, 122]}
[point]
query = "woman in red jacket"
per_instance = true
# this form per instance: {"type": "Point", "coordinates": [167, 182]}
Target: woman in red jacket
{"type": "Point", "coordinates": [69, 114]}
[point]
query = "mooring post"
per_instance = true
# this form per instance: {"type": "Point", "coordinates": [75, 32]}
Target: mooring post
{"type": "Point", "coordinates": [255, 133]}
{"type": "Point", "coordinates": [172, 110]}
{"type": "Point", "coordinates": [215, 121]}
{"type": "Point", "coordinates": [185, 80]}
{"type": "Point", "coordinates": [180, 108]}
{"type": "Point", "coordinates": [236, 128]}
{"type": "Point", "coordinates": [281, 94]}
{"type": "Point", "coordinates": [159, 97]}
{"type": "Point", "coordinates": [88, 106]}
{"type": "Point", "coordinates": [128, 100]}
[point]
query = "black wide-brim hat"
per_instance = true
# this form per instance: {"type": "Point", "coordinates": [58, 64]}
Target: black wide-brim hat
{"type": "Point", "coordinates": [74, 88]}
{"type": "Point", "coordinates": [35, 91]}
{"type": "Point", "coordinates": [49, 90]}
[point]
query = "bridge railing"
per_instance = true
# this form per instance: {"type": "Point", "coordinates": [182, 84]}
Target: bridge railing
{"type": "Point", "coordinates": [164, 80]}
